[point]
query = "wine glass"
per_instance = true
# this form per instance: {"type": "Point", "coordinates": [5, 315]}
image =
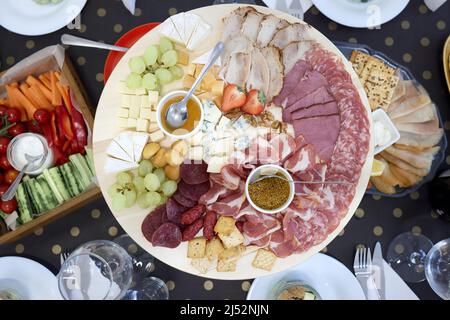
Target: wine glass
{"type": "Point", "coordinates": [437, 268]}
{"type": "Point", "coordinates": [233, 1]}
{"type": "Point", "coordinates": [406, 255]}
{"type": "Point", "coordinates": [97, 270]}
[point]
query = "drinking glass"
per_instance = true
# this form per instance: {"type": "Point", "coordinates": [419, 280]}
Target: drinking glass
{"type": "Point", "coordinates": [437, 268]}
{"type": "Point", "coordinates": [406, 255]}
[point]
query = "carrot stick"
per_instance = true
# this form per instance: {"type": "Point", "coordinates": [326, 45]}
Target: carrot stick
{"type": "Point", "coordinates": [32, 81]}
{"type": "Point", "coordinates": [4, 102]}
{"type": "Point", "coordinates": [64, 90]}
{"type": "Point", "coordinates": [29, 107]}
{"type": "Point", "coordinates": [14, 103]}
{"type": "Point", "coordinates": [56, 94]}
{"type": "Point", "coordinates": [39, 98]}
{"type": "Point", "coordinates": [45, 81]}
{"type": "Point", "coordinates": [14, 85]}
{"type": "Point", "coordinates": [58, 75]}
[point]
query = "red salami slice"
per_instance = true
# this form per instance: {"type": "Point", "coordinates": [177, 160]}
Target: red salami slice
{"type": "Point", "coordinates": [193, 192]}
{"type": "Point", "coordinates": [188, 203]}
{"type": "Point", "coordinates": [194, 173]}
{"type": "Point", "coordinates": [174, 211]}
{"type": "Point", "coordinates": [167, 235]}
{"type": "Point", "coordinates": [152, 222]}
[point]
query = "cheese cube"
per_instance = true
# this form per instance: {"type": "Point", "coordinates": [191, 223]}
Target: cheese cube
{"type": "Point", "coordinates": [157, 136]}
{"type": "Point", "coordinates": [135, 101]}
{"type": "Point", "coordinates": [126, 101]}
{"type": "Point", "coordinates": [208, 127]}
{"type": "Point", "coordinates": [223, 124]}
{"type": "Point", "coordinates": [145, 113]}
{"type": "Point", "coordinates": [196, 139]}
{"type": "Point", "coordinates": [212, 113]}
{"type": "Point", "coordinates": [153, 127]}
{"type": "Point", "coordinates": [223, 147]}
{"type": "Point", "coordinates": [241, 125]}
{"type": "Point", "coordinates": [122, 122]}
{"type": "Point", "coordinates": [134, 111]}
{"type": "Point", "coordinates": [263, 131]}
{"type": "Point", "coordinates": [153, 97]}
{"type": "Point", "coordinates": [191, 70]}
{"type": "Point", "coordinates": [139, 91]}
{"type": "Point", "coordinates": [131, 123]}
{"type": "Point", "coordinates": [216, 164]}
{"type": "Point", "coordinates": [145, 103]}
{"type": "Point", "coordinates": [123, 88]}
{"type": "Point", "coordinates": [217, 88]}
{"type": "Point", "coordinates": [142, 125]}
{"type": "Point", "coordinates": [195, 153]}
{"type": "Point", "coordinates": [183, 57]}
{"type": "Point", "coordinates": [123, 113]}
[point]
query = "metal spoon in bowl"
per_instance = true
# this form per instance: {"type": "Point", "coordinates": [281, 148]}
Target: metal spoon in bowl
{"type": "Point", "coordinates": [301, 182]}
{"type": "Point", "coordinates": [177, 113]}
{"type": "Point", "coordinates": [9, 194]}
{"type": "Point", "coordinates": [70, 40]}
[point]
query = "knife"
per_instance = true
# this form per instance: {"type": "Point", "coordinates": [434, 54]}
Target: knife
{"type": "Point", "coordinates": [378, 263]}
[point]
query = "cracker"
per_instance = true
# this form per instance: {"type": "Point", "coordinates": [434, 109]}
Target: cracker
{"type": "Point", "coordinates": [213, 248]}
{"type": "Point", "coordinates": [365, 72]}
{"type": "Point", "coordinates": [197, 248]}
{"type": "Point", "coordinates": [202, 265]}
{"type": "Point", "coordinates": [359, 60]}
{"type": "Point", "coordinates": [226, 266]}
{"type": "Point", "coordinates": [264, 259]}
{"type": "Point", "coordinates": [234, 239]}
{"type": "Point", "coordinates": [225, 225]}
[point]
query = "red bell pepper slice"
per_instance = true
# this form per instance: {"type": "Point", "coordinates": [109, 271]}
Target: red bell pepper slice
{"type": "Point", "coordinates": [65, 126]}
{"type": "Point", "coordinates": [53, 125]}
{"type": "Point", "coordinates": [47, 131]}
{"type": "Point", "coordinates": [58, 156]}
{"type": "Point", "coordinates": [79, 126]}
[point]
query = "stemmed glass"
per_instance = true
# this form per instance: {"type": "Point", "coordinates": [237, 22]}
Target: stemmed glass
{"type": "Point", "coordinates": [437, 268]}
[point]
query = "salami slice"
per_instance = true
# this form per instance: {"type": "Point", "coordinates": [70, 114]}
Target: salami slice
{"type": "Point", "coordinates": [167, 235]}
{"type": "Point", "coordinates": [193, 192]}
{"type": "Point", "coordinates": [152, 222]}
{"type": "Point", "coordinates": [194, 173]}
{"type": "Point", "coordinates": [188, 203]}
{"type": "Point", "coordinates": [174, 211]}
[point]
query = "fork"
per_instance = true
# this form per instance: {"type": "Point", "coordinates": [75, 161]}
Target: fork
{"type": "Point", "coordinates": [362, 266]}
{"type": "Point", "coordinates": [63, 257]}
{"type": "Point", "coordinates": [296, 9]}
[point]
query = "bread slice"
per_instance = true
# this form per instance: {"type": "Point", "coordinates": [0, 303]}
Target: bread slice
{"type": "Point", "coordinates": [407, 179]}
{"type": "Point", "coordinates": [403, 165]}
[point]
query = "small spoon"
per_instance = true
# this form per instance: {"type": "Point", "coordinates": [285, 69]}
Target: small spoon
{"type": "Point", "coordinates": [177, 113]}
{"type": "Point", "coordinates": [301, 182]}
{"type": "Point", "coordinates": [9, 194]}
{"type": "Point", "coordinates": [70, 40]}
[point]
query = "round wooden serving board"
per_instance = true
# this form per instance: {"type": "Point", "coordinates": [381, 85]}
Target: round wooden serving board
{"type": "Point", "coordinates": [105, 129]}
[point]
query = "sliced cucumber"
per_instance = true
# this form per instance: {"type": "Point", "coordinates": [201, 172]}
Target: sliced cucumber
{"type": "Point", "coordinates": [24, 204]}
{"type": "Point", "coordinates": [49, 198]}
{"type": "Point", "coordinates": [70, 180]}
{"type": "Point", "coordinates": [56, 183]}
{"type": "Point", "coordinates": [81, 169]}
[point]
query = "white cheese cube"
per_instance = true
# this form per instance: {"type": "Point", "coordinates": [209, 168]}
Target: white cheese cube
{"type": "Point", "coordinates": [131, 123]}
{"type": "Point", "coordinates": [140, 91]}
{"type": "Point", "coordinates": [122, 122]}
{"type": "Point", "coordinates": [157, 136]}
{"type": "Point", "coordinates": [153, 97]}
{"type": "Point", "coordinates": [123, 113]}
{"type": "Point", "coordinates": [222, 147]}
{"type": "Point", "coordinates": [135, 102]}
{"type": "Point", "coordinates": [123, 89]}
{"type": "Point", "coordinates": [195, 153]}
{"type": "Point", "coordinates": [197, 139]}
{"type": "Point", "coordinates": [144, 102]}
{"type": "Point", "coordinates": [126, 101]}
{"type": "Point", "coordinates": [216, 164]}
{"type": "Point", "coordinates": [142, 125]}
{"type": "Point", "coordinates": [153, 127]}
{"type": "Point", "coordinates": [134, 112]}
{"type": "Point", "coordinates": [263, 131]}
{"type": "Point", "coordinates": [145, 113]}
{"type": "Point", "coordinates": [208, 127]}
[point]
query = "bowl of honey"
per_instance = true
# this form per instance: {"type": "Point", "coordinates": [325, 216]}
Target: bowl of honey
{"type": "Point", "coordinates": [194, 119]}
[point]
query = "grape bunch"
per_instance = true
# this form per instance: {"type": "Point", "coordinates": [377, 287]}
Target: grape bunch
{"type": "Point", "coordinates": [157, 67]}
{"type": "Point", "coordinates": [148, 187]}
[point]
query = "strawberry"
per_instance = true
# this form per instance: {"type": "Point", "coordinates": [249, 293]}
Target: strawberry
{"type": "Point", "coordinates": [255, 103]}
{"type": "Point", "coordinates": [233, 97]}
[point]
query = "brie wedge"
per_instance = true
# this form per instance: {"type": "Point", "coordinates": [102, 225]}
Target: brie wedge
{"type": "Point", "coordinates": [114, 165]}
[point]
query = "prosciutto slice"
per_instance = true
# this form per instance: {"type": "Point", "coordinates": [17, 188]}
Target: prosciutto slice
{"type": "Point", "coordinates": [228, 177]}
{"type": "Point", "coordinates": [303, 159]}
{"type": "Point", "coordinates": [228, 206]}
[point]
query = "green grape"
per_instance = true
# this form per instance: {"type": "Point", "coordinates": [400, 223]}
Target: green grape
{"type": "Point", "coordinates": [124, 178]}
{"type": "Point", "coordinates": [145, 167]}
{"type": "Point", "coordinates": [177, 72]}
{"type": "Point", "coordinates": [130, 194]}
{"type": "Point", "coordinates": [163, 199]}
{"type": "Point", "coordinates": [138, 183]}
{"type": "Point", "coordinates": [151, 182]}
{"type": "Point", "coordinates": [137, 65]}
{"type": "Point", "coordinates": [165, 45]}
{"type": "Point", "coordinates": [160, 174]}
{"type": "Point", "coordinates": [114, 189]}
{"type": "Point", "coordinates": [134, 81]}
{"type": "Point", "coordinates": [119, 202]}
{"type": "Point", "coordinates": [169, 187]}
{"type": "Point", "coordinates": [150, 81]}
{"type": "Point", "coordinates": [164, 75]}
{"type": "Point", "coordinates": [169, 58]}
{"type": "Point", "coordinates": [153, 198]}
{"type": "Point", "coordinates": [142, 200]}
{"type": "Point", "coordinates": [151, 55]}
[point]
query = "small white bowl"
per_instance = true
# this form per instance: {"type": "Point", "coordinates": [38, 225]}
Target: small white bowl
{"type": "Point", "coordinates": [161, 104]}
{"type": "Point", "coordinates": [381, 116]}
{"type": "Point", "coordinates": [255, 174]}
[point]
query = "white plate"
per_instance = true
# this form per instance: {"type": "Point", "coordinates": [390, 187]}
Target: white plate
{"type": "Point", "coordinates": [28, 278]}
{"type": "Point", "coordinates": [329, 277]}
{"type": "Point", "coordinates": [361, 15]}
{"type": "Point", "coordinates": [28, 18]}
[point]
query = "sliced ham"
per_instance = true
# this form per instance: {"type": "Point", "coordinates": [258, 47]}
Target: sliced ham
{"type": "Point", "coordinates": [259, 75]}
{"type": "Point", "coordinates": [233, 22]}
{"type": "Point", "coordinates": [311, 81]}
{"type": "Point", "coordinates": [276, 71]}
{"type": "Point", "coordinates": [321, 132]}
{"type": "Point", "coordinates": [251, 24]}
{"type": "Point", "coordinates": [291, 33]}
{"type": "Point", "coordinates": [291, 80]}
{"type": "Point", "coordinates": [269, 26]}
{"type": "Point", "coordinates": [317, 97]}
{"type": "Point", "coordinates": [238, 69]}
{"type": "Point", "coordinates": [319, 110]}
{"type": "Point", "coordinates": [216, 192]}
{"type": "Point", "coordinates": [303, 159]}
{"type": "Point", "coordinates": [228, 206]}
{"type": "Point", "coordinates": [294, 52]}
{"type": "Point", "coordinates": [228, 177]}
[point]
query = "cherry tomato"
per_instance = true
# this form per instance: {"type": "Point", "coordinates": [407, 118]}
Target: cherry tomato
{"type": "Point", "coordinates": [33, 126]}
{"type": "Point", "coordinates": [3, 110]}
{"type": "Point", "coordinates": [42, 116]}
{"type": "Point", "coordinates": [3, 188]}
{"type": "Point", "coordinates": [11, 175]}
{"type": "Point", "coordinates": [4, 142]}
{"type": "Point", "coordinates": [17, 129]}
{"type": "Point", "coordinates": [13, 115]}
{"type": "Point", "coordinates": [8, 206]}
{"type": "Point", "coordinates": [4, 163]}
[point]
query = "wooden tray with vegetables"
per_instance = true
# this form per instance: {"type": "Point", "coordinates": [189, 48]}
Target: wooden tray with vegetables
{"type": "Point", "coordinates": [54, 105]}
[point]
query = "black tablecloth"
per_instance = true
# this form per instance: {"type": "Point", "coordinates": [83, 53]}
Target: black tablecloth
{"type": "Point", "coordinates": [415, 38]}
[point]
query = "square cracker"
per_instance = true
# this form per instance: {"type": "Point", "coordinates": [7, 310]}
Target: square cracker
{"type": "Point", "coordinates": [264, 259]}
{"type": "Point", "coordinates": [359, 60]}
{"type": "Point", "coordinates": [380, 88]}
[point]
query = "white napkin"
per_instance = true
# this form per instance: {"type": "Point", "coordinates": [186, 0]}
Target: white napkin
{"type": "Point", "coordinates": [130, 5]}
{"type": "Point", "coordinates": [433, 5]}
{"type": "Point", "coordinates": [396, 288]}
{"type": "Point", "coordinates": [275, 4]}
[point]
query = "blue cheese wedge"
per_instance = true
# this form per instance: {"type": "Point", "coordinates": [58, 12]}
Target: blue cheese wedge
{"type": "Point", "coordinates": [114, 165]}
{"type": "Point", "coordinates": [208, 127]}
{"type": "Point", "coordinates": [116, 151]}
{"type": "Point", "coordinates": [241, 125]}
{"type": "Point", "coordinates": [242, 143]}
{"type": "Point", "coordinates": [212, 112]}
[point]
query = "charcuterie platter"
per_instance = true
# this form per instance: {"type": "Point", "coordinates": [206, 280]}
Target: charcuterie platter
{"type": "Point", "coordinates": [216, 197]}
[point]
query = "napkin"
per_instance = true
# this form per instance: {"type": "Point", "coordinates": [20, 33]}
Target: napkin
{"type": "Point", "coordinates": [396, 288]}
{"type": "Point", "coordinates": [433, 5]}
{"type": "Point", "coordinates": [130, 5]}
{"type": "Point", "coordinates": [283, 5]}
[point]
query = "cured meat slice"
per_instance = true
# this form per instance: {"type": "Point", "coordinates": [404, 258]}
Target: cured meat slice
{"type": "Point", "coordinates": [185, 202]}
{"type": "Point", "coordinates": [194, 173]}
{"type": "Point", "coordinates": [174, 210]}
{"type": "Point", "coordinates": [301, 160]}
{"type": "Point", "coordinates": [215, 193]}
{"type": "Point", "coordinates": [284, 145]}
{"type": "Point", "coordinates": [152, 222]}
{"type": "Point", "coordinates": [319, 110]}
{"type": "Point", "coordinates": [250, 26]}
{"type": "Point", "coordinates": [291, 80]}
{"type": "Point", "coordinates": [294, 52]}
{"type": "Point", "coordinates": [167, 235]}
{"type": "Point", "coordinates": [312, 81]}
{"type": "Point", "coordinates": [276, 71]}
{"type": "Point", "coordinates": [228, 206]}
{"type": "Point", "coordinates": [233, 22]}
{"type": "Point", "coordinates": [259, 76]}
{"type": "Point", "coordinates": [236, 44]}
{"type": "Point", "coordinates": [321, 132]}
{"type": "Point", "coordinates": [195, 191]}
{"type": "Point", "coordinates": [269, 25]}
{"type": "Point", "coordinates": [238, 69]}
{"type": "Point", "coordinates": [317, 97]}
{"type": "Point", "coordinates": [293, 32]}
{"type": "Point", "coordinates": [228, 177]}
